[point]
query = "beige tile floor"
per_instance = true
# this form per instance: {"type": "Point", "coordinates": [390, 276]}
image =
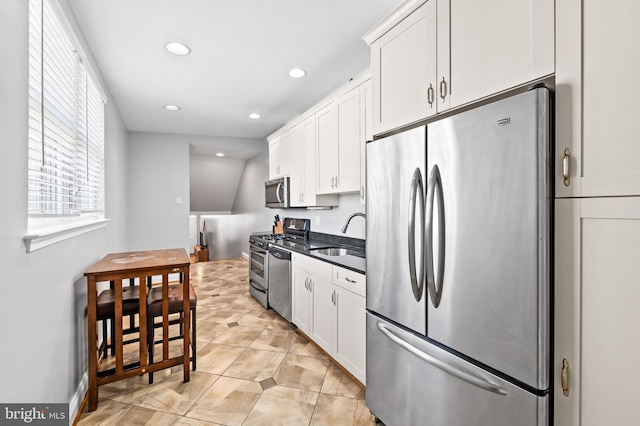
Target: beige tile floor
{"type": "Point", "coordinates": [252, 369]}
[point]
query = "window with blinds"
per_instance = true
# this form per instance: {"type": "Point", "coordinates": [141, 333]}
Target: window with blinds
{"type": "Point", "coordinates": [66, 125]}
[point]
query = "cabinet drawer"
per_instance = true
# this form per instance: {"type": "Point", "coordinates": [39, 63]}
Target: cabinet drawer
{"type": "Point", "coordinates": [309, 264]}
{"type": "Point", "coordinates": [350, 280]}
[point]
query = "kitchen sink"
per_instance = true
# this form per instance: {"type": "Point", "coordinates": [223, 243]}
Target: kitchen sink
{"type": "Point", "coordinates": [338, 251]}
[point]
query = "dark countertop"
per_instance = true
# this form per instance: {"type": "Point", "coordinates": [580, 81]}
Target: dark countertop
{"type": "Point", "coordinates": [317, 240]}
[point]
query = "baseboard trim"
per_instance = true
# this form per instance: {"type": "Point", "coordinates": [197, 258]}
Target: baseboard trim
{"type": "Point", "coordinates": [245, 256]}
{"type": "Point", "coordinates": [78, 400]}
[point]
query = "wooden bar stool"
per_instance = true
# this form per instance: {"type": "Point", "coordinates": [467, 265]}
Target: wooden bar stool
{"type": "Point", "coordinates": [106, 312]}
{"type": "Point", "coordinates": [154, 309]}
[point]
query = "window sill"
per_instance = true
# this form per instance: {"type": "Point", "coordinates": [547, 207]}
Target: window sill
{"type": "Point", "coordinates": [51, 236]}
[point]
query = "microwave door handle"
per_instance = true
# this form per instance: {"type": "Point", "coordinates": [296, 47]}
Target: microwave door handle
{"type": "Point", "coordinates": [279, 188]}
{"type": "Point", "coordinates": [417, 282]}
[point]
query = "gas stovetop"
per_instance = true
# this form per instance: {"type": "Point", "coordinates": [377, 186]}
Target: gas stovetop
{"type": "Point", "coordinates": [295, 230]}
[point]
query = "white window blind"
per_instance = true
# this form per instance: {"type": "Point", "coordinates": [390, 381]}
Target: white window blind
{"type": "Point", "coordinates": [66, 125]}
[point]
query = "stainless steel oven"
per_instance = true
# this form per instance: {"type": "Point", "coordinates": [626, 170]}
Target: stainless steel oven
{"type": "Point", "coordinates": [259, 271]}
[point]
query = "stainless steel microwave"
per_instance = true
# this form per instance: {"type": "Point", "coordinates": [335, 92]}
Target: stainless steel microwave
{"type": "Point", "coordinates": [276, 193]}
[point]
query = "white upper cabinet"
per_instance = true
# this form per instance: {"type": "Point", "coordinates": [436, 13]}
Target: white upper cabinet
{"type": "Point", "coordinates": [327, 149]}
{"type": "Point", "coordinates": [295, 164]}
{"type": "Point", "coordinates": [497, 45]}
{"type": "Point", "coordinates": [597, 93]}
{"type": "Point", "coordinates": [431, 56]}
{"type": "Point", "coordinates": [366, 132]}
{"type": "Point", "coordinates": [281, 155]}
{"type": "Point", "coordinates": [274, 158]}
{"type": "Point", "coordinates": [403, 66]}
{"type": "Point", "coordinates": [348, 179]}
{"type": "Point", "coordinates": [338, 145]}
{"type": "Point", "coordinates": [323, 150]}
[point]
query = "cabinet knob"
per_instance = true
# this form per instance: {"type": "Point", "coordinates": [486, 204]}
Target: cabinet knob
{"type": "Point", "coordinates": [430, 95]}
{"type": "Point", "coordinates": [443, 89]}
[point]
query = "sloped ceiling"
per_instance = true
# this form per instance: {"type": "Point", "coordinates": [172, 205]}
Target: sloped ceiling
{"type": "Point", "coordinates": [213, 183]}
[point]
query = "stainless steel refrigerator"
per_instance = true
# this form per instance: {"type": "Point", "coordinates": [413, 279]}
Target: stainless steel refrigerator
{"type": "Point", "coordinates": [459, 268]}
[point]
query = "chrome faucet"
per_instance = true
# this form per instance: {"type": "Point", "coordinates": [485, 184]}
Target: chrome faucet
{"type": "Point", "coordinates": [344, 228]}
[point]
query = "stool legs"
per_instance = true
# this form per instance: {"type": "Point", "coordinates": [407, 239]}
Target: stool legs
{"type": "Point", "coordinates": [151, 340]}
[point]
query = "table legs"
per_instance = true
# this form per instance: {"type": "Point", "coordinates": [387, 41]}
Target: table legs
{"type": "Point", "coordinates": [92, 343]}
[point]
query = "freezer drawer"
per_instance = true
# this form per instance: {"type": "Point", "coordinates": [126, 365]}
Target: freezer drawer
{"type": "Point", "coordinates": [433, 387]}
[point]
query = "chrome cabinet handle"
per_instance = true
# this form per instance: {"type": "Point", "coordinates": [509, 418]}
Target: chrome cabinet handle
{"type": "Point", "coordinates": [566, 170]}
{"type": "Point", "coordinates": [306, 283]}
{"type": "Point", "coordinates": [430, 95]}
{"type": "Point", "coordinates": [460, 372]}
{"type": "Point", "coordinates": [350, 280]}
{"type": "Point", "coordinates": [443, 89]}
{"type": "Point", "coordinates": [332, 185]}
{"type": "Point", "coordinates": [333, 297]}
{"type": "Point", "coordinates": [417, 281]}
{"type": "Point", "coordinates": [362, 192]}
{"type": "Point", "coordinates": [435, 186]}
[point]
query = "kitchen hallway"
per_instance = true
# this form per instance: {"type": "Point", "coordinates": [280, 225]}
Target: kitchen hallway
{"type": "Point", "coordinates": [252, 368]}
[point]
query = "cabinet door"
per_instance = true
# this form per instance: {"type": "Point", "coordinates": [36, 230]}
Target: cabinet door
{"type": "Point", "coordinates": [285, 153]}
{"type": "Point", "coordinates": [293, 160]}
{"type": "Point", "coordinates": [327, 149]}
{"type": "Point", "coordinates": [308, 135]}
{"type": "Point", "coordinates": [567, 312]}
{"type": "Point", "coordinates": [366, 132]}
{"type": "Point", "coordinates": [350, 338]}
{"type": "Point", "coordinates": [348, 110]}
{"type": "Point", "coordinates": [301, 297]}
{"type": "Point", "coordinates": [610, 150]}
{"type": "Point", "coordinates": [403, 63]}
{"type": "Point", "coordinates": [499, 44]}
{"type": "Point", "coordinates": [322, 323]}
{"type": "Point", "coordinates": [600, 275]}
{"type": "Point", "coordinates": [274, 158]}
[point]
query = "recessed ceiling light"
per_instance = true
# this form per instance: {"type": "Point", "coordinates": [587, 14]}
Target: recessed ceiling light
{"type": "Point", "coordinates": [254, 115]}
{"type": "Point", "coordinates": [219, 154]}
{"type": "Point", "coordinates": [176, 48]}
{"type": "Point", "coordinates": [297, 73]}
{"type": "Point", "coordinates": [171, 107]}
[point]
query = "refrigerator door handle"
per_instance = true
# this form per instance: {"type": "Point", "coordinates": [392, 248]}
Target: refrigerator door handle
{"type": "Point", "coordinates": [435, 186]}
{"type": "Point", "coordinates": [417, 189]}
{"type": "Point", "coordinates": [456, 371]}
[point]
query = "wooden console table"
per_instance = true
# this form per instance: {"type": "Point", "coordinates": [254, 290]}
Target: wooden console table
{"type": "Point", "coordinates": [116, 267]}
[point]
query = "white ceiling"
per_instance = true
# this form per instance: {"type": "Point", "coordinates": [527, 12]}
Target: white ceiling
{"type": "Point", "coordinates": [242, 51]}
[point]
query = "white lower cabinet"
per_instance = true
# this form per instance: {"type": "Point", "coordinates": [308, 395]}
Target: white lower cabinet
{"type": "Point", "coordinates": [301, 296]}
{"type": "Point", "coordinates": [329, 307]}
{"type": "Point", "coordinates": [596, 311]}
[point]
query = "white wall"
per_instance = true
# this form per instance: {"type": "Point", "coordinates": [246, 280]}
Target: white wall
{"type": "Point", "coordinates": [158, 166]}
{"type": "Point", "coordinates": [43, 293]}
{"type": "Point", "coordinates": [253, 216]}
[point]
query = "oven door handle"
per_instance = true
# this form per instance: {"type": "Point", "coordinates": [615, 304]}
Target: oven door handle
{"type": "Point", "coordinates": [257, 287]}
{"type": "Point", "coordinates": [258, 250]}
